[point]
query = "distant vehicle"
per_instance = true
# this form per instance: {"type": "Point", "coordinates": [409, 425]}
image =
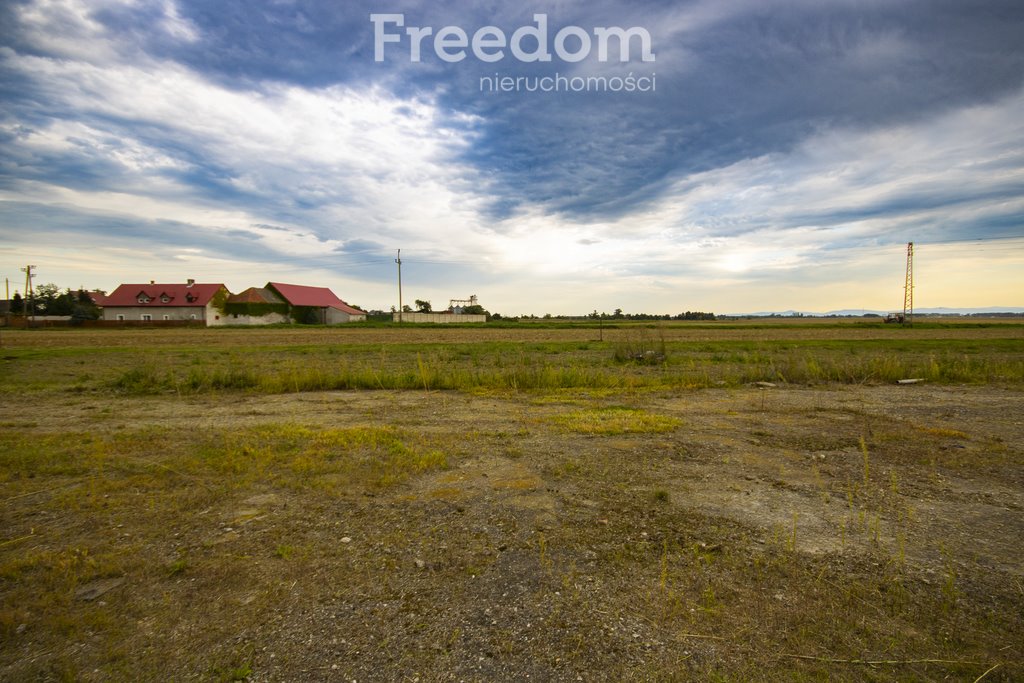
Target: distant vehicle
{"type": "Point", "coordinates": [895, 318]}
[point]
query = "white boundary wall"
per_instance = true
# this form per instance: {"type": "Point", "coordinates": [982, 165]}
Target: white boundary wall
{"type": "Point", "coordinates": [439, 318]}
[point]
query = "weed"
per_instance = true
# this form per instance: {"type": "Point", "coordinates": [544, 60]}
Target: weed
{"type": "Point", "coordinates": [708, 601]}
{"type": "Point", "coordinates": [641, 350]}
{"type": "Point", "coordinates": [949, 590]}
{"type": "Point", "coordinates": [177, 567]}
{"type": "Point", "coordinates": [542, 549]}
{"type": "Point", "coordinates": [664, 563]}
{"type": "Point", "coordinates": [792, 537]}
{"type": "Point", "coordinates": [233, 672]}
{"type": "Point", "coordinates": [867, 461]}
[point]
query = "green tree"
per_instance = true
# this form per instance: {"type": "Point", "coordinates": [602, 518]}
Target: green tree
{"type": "Point", "coordinates": [44, 297]}
{"type": "Point", "coordinates": [422, 306]}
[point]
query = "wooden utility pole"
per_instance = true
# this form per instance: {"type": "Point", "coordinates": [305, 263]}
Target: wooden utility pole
{"type": "Point", "coordinates": [31, 296]}
{"type": "Point", "coordinates": [401, 312]}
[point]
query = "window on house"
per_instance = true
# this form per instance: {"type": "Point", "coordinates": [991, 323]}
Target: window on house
{"type": "Point", "coordinates": [192, 317]}
{"type": "Point", "coordinates": [167, 317]}
{"type": "Point", "coordinates": [120, 316]}
{"type": "Point", "coordinates": [165, 299]}
{"type": "Point", "coordinates": [147, 316]}
{"type": "Point", "coordinates": [143, 299]}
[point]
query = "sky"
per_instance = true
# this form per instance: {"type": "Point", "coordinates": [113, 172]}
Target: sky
{"type": "Point", "coordinates": [728, 155]}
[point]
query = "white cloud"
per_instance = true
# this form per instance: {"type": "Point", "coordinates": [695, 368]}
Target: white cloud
{"type": "Point", "coordinates": [374, 161]}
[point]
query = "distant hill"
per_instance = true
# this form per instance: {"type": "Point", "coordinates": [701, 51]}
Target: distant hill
{"type": "Point", "coordinates": [857, 312]}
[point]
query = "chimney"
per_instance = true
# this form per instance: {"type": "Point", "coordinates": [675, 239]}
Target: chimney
{"type": "Point", "coordinates": [152, 282]}
{"type": "Point", "coordinates": [190, 282]}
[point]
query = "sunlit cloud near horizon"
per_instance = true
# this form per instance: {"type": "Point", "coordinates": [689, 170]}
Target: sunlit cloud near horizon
{"type": "Point", "coordinates": [787, 155]}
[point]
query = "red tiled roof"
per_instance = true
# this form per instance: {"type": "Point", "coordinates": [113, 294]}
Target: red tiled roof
{"type": "Point", "coordinates": [162, 295]}
{"type": "Point", "coordinates": [255, 295]}
{"type": "Point", "coordinates": [316, 297]}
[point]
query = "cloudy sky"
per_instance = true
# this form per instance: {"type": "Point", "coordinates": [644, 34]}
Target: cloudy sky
{"type": "Point", "coordinates": [780, 155]}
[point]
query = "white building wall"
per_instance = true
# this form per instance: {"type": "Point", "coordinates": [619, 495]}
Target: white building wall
{"type": "Point", "coordinates": [439, 318]}
{"type": "Point", "coordinates": [214, 317]}
{"type": "Point", "coordinates": [268, 319]}
{"type": "Point", "coordinates": [335, 316]}
{"type": "Point", "coordinates": [156, 313]}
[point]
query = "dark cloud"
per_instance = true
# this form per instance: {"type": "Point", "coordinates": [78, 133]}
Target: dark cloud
{"type": "Point", "coordinates": [755, 83]}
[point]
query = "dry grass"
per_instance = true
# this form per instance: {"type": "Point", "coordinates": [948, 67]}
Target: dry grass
{"type": "Point", "coordinates": [615, 420]}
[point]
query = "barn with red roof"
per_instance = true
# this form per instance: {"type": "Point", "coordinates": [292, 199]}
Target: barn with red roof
{"type": "Point", "coordinates": [315, 304]}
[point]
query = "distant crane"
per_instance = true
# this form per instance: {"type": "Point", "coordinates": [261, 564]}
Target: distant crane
{"type": "Point", "coordinates": [462, 303]}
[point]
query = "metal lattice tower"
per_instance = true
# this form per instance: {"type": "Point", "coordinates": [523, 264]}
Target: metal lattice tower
{"type": "Point", "coordinates": [908, 288]}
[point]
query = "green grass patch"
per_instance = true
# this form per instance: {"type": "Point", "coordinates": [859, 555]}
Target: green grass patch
{"type": "Point", "coordinates": [615, 420]}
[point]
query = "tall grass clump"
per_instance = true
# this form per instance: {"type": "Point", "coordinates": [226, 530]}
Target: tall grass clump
{"type": "Point", "coordinates": [143, 380]}
{"type": "Point", "coordinates": [642, 349]}
{"type": "Point", "coordinates": [826, 366]}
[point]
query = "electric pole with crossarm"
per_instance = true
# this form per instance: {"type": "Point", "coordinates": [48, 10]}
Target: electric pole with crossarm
{"type": "Point", "coordinates": [399, 262]}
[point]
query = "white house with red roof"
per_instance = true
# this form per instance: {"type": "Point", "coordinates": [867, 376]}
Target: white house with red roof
{"type": "Point", "coordinates": [316, 304]}
{"type": "Point", "coordinates": [156, 302]}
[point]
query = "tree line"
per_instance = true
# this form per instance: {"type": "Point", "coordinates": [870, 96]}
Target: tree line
{"type": "Point", "coordinates": [49, 299]}
{"type": "Point", "coordinates": [619, 315]}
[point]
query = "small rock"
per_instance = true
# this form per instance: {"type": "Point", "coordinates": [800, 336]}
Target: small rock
{"type": "Point", "coordinates": [346, 539]}
{"type": "Point", "coordinates": [420, 564]}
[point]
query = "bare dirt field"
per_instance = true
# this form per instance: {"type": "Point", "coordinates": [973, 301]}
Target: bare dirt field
{"type": "Point", "coordinates": [859, 530]}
